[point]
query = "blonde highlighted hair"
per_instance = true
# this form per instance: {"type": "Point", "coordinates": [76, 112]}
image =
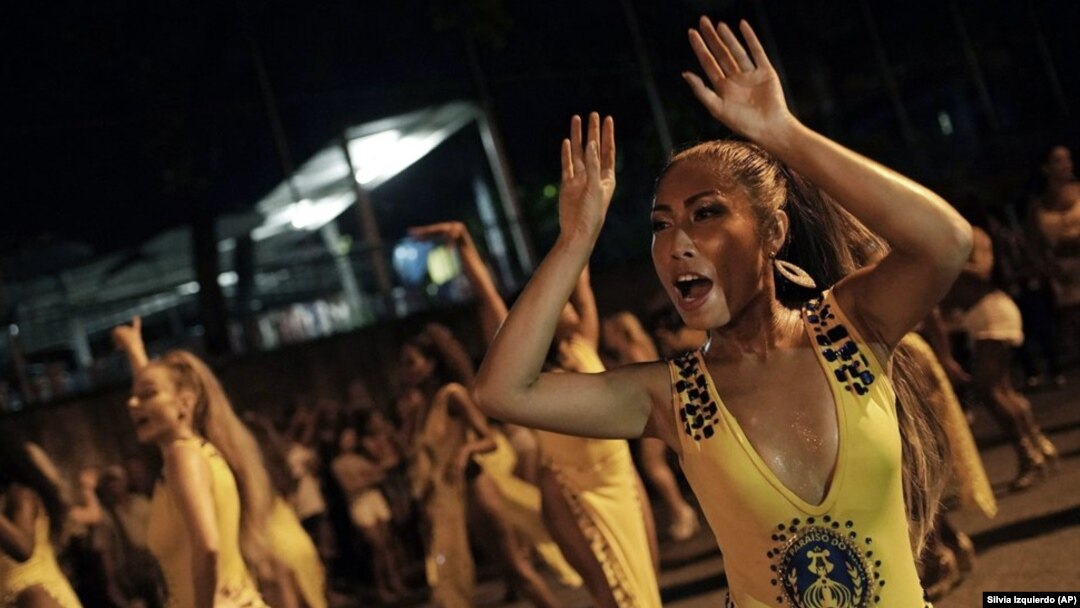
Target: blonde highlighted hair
{"type": "Point", "coordinates": [214, 419]}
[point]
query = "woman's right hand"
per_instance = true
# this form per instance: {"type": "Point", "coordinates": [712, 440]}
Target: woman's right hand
{"type": "Point", "coordinates": [588, 177]}
{"type": "Point", "coordinates": [453, 233]}
{"type": "Point", "coordinates": [128, 337]}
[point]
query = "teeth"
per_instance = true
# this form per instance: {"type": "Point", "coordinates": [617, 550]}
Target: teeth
{"type": "Point", "coordinates": [688, 276]}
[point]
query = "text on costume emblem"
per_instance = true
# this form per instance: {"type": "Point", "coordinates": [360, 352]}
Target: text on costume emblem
{"type": "Point", "coordinates": [823, 564]}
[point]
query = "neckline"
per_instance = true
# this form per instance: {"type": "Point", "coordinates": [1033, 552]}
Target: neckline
{"type": "Point", "coordinates": [763, 468]}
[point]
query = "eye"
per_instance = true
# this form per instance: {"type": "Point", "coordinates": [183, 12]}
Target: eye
{"type": "Point", "coordinates": [708, 210]}
{"type": "Point", "coordinates": [659, 224]}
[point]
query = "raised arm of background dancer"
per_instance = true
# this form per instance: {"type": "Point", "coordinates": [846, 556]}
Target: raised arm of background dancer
{"type": "Point", "coordinates": [492, 306]}
{"type": "Point", "coordinates": [185, 467]}
{"type": "Point", "coordinates": [584, 302]}
{"type": "Point", "coordinates": [17, 523]}
{"type": "Point", "coordinates": [128, 338]}
{"type": "Point", "coordinates": [460, 404]}
{"type": "Point", "coordinates": [510, 385]}
{"type": "Point", "coordinates": [929, 240]}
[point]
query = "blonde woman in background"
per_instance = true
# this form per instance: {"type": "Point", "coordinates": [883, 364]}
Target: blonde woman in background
{"type": "Point", "coordinates": [209, 510]}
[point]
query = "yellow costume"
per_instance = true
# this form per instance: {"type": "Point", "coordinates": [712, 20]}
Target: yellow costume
{"type": "Point", "coordinates": [168, 538]}
{"type": "Point", "coordinates": [448, 561]}
{"type": "Point", "coordinates": [522, 501]}
{"type": "Point", "coordinates": [41, 569]}
{"type": "Point", "coordinates": [850, 551]}
{"type": "Point", "coordinates": [292, 547]}
{"type": "Point", "coordinates": [598, 479]}
{"type": "Point", "coordinates": [969, 477]}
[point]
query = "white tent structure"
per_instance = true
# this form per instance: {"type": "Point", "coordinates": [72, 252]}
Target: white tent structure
{"type": "Point", "coordinates": [66, 309]}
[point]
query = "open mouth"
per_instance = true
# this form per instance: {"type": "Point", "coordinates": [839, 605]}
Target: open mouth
{"type": "Point", "coordinates": [692, 286]}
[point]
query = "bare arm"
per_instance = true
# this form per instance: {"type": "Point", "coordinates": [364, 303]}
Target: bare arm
{"type": "Point", "coordinates": [981, 261]}
{"type": "Point", "coordinates": [188, 471]}
{"type": "Point", "coordinates": [128, 339]}
{"type": "Point", "coordinates": [584, 302]}
{"type": "Point", "coordinates": [88, 512]}
{"type": "Point", "coordinates": [17, 523]}
{"type": "Point", "coordinates": [492, 306]}
{"type": "Point", "coordinates": [510, 385]}
{"type": "Point", "coordinates": [929, 240]}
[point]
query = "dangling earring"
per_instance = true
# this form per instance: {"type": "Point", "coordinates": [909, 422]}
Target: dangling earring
{"type": "Point", "coordinates": [793, 273]}
{"type": "Point", "coordinates": [708, 342]}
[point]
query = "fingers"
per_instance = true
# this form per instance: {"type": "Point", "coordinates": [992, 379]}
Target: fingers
{"type": "Point", "coordinates": [705, 58]}
{"type": "Point", "coordinates": [567, 157]}
{"type": "Point", "coordinates": [575, 140]}
{"type": "Point", "coordinates": [598, 153]}
{"type": "Point", "coordinates": [607, 146]}
{"type": "Point", "coordinates": [756, 50]}
{"type": "Point", "coordinates": [736, 48]}
{"type": "Point", "coordinates": [136, 323]}
{"type": "Point", "coordinates": [717, 47]}
{"type": "Point", "coordinates": [705, 95]}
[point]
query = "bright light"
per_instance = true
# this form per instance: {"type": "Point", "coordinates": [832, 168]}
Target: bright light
{"type": "Point", "coordinates": [228, 279]}
{"type": "Point", "coordinates": [945, 122]}
{"type": "Point", "coordinates": [380, 156]}
{"type": "Point", "coordinates": [188, 289]}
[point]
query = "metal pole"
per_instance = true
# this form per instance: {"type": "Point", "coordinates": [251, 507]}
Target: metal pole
{"type": "Point", "coordinates": [332, 239]}
{"type": "Point", "coordinates": [1048, 62]}
{"type": "Point", "coordinates": [973, 65]}
{"type": "Point", "coordinates": [369, 224]}
{"type": "Point", "coordinates": [663, 132]}
{"type": "Point", "coordinates": [500, 170]}
{"type": "Point", "coordinates": [774, 52]}
{"type": "Point", "coordinates": [887, 74]}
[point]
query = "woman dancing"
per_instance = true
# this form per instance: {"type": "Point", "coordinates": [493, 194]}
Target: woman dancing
{"type": "Point", "coordinates": [593, 501]}
{"type": "Point", "coordinates": [208, 514]}
{"type": "Point", "coordinates": [32, 515]}
{"type": "Point", "coordinates": [786, 423]}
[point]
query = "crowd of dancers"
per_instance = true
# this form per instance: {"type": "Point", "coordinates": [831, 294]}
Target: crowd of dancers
{"type": "Point", "coordinates": [817, 428]}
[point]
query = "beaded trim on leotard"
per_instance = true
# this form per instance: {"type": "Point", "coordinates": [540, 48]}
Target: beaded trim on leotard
{"type": "Point", "coordinates": [616, 578]}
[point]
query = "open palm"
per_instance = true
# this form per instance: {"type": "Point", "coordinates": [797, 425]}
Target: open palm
{"type": "Point", "coordinates": [743, 90]}
{"type": "Point", "coordinates": [588, 176]}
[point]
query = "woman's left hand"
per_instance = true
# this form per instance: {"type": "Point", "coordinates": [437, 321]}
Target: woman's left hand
{"type": "Point", "coordinates": [744, 91]}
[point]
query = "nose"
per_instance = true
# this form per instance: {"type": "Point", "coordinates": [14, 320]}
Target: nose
{"type": "Point", "coordinates": [682, 246]}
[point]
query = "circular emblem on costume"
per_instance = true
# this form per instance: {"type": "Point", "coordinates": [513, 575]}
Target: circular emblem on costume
{"type": "Point", "coordinates": [819, 567]}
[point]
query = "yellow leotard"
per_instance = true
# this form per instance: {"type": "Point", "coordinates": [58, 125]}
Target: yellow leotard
{"type": "Point", "coordinates": [598, 479]}
{"type": "Point", "coordinates": [168, 539]}
{"type": "Point", "coordinates": [850, 551]}
{"type": "Point", "coordinates": [41, 569]}
{"type": "Point", "coordinates": [522, 502]}
{"type": "Point", "coordinates": [292, 547]}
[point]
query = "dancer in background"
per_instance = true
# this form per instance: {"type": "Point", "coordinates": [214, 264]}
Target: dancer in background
{"type": "Point", "coordinates": [1056, 219]}
{"type": "Point", "coordinates": [786, 423]}
{"type": "Point", "coordinates": [992, 321]}
{"type": "Point", "coordinates": [32, 515]}
{"type": "Point", "coordinates": [626, 342]}
{"type": "Point", "coordinates": [299, 575]}
{"type": "Point", "coordinates": [209, 510]}
{"type": "Point", "coordinates": [447, 472]}
{"type": "Point", "coordinates": [594, 502]}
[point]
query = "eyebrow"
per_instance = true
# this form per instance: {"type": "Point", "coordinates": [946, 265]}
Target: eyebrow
{"type": "Point", "coordinates": [690, 200]}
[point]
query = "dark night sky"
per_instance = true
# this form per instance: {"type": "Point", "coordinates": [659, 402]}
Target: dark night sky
{"type": "Point", "coordinates": [123, 115]}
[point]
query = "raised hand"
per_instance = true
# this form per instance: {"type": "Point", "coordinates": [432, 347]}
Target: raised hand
{"type": "Point", "coordinates": [744, 91]}
{"type": "Point", "coordinates": [451, 232]}
{"type": "Point", "coordinates": [588, 177]}
{"type": "Point", "coordinates": [128, 338]}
